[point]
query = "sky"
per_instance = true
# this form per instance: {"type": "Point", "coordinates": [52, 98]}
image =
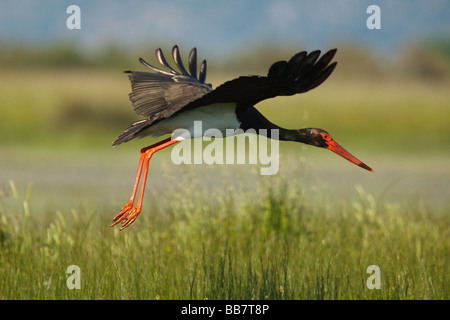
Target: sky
{"type": "Point", "coordinates": [220, 26]}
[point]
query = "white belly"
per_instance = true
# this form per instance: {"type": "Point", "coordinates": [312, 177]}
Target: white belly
{"type": "Point", "coordinates": [220, 116]}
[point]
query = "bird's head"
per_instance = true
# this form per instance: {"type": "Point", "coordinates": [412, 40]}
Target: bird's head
{"type": "Point", "coordinates": [322, 139]}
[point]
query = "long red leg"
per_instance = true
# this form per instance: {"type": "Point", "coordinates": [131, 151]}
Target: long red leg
{"type": "Point", "coordinates": [128, 212]}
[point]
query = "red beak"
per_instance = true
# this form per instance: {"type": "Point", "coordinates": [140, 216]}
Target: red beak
{"type": "Point", "coordinates": [336, 148]}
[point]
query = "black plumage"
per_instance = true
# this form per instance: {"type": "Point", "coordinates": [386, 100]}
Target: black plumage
{"type": "Point", "coordinates": [163, 93]}
{"type": "Point", "coordinates": [173, 99]}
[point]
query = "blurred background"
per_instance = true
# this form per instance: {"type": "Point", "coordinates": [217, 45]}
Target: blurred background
{"type": "Point", "coordinates": [64, 96]}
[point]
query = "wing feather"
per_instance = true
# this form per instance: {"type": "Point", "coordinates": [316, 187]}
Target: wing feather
{"type": "Point", "coordinates": [193, 63]}
{"type": "Point", "coordinates": [202, 76]}
{"type": "Point", "coordinates": [179, 62]}
{"type": "Point", "coordinates": [301, 73]}
{"type": "Point", "coordinates": [160, 94]}
{"type": "Point", "coordinates": [162, 61]}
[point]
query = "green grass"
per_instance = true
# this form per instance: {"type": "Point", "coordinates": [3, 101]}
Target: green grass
{"type": "Point", "coordinates": [275, 242]}
{"type": "Point", "coordinates": [223, 232]}
{"type": "Point", "coordinates": [85, 108]}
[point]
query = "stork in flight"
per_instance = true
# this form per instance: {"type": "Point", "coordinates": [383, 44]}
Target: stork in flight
{"type": "Point", "coordinates": [172, 99]}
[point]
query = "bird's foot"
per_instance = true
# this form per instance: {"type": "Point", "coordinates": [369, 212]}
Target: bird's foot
{"type": "Point", "coordinates": [128, 214]}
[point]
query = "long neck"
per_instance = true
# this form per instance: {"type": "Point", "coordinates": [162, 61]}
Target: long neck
{"type": "Point", "coordinates": [251, 118]}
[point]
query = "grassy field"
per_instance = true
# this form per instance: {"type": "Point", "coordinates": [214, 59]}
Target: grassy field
{"type": "Point", "coordinates": [223, 232]}
{"type": "Point", "coordinates": [274, 241]}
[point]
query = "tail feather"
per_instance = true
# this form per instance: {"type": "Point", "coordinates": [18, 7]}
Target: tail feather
{"type": "Point", "coordinates": [132, 131]}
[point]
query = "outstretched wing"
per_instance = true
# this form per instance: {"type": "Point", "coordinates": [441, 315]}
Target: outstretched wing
{"type": "Point", "coordinates": [301, 73]}
{"type": "Point", "coordinates": [159, 95]}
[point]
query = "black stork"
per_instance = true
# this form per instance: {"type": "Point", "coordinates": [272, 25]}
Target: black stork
{"type": "Point", "coordinates": [171, 99]}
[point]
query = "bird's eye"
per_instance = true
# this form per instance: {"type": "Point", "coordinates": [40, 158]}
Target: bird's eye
{"type": "Point", "coordinates": [326, 136]}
